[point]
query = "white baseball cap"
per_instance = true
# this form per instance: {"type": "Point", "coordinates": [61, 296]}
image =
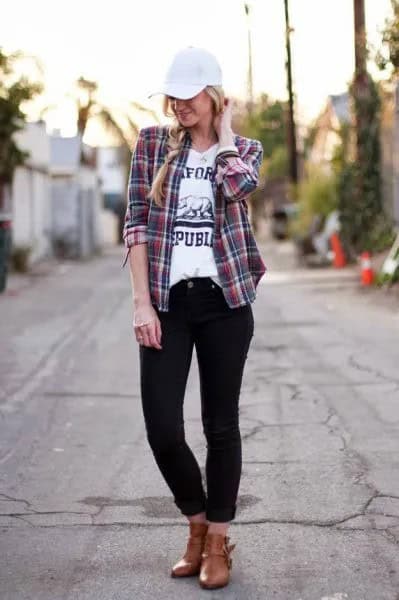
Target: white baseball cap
{"type": "Point", "coordinates": [191, 70]}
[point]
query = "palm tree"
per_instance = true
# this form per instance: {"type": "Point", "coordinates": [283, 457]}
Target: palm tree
{"type": "Point", "coordinates": [121, 126]}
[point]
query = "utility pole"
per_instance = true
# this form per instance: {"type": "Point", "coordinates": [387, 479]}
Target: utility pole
{"type": "Point", "coordinates": [361, 84]}
{"type": "Point", "coordinates": [250, 90]}
{"type": "Point", "coordinates": [360, 36]}
{"type": "Point", "coordinates": [293, 159]}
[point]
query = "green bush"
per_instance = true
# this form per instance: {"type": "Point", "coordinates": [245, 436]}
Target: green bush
{"type": "Point", "coordinates": [317, 195]}
{"type": "Point", "coordinates": [277, 165]}
{"type": "Point", "coordinates": [20, 258]}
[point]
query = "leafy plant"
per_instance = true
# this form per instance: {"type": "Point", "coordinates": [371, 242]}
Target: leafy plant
{"type": "Point", "coordinates": [364, 224]}
{"type": "Point", "coordinates": [277, 165]}
{"type": "Point", "coordinates": [15, 91]}
{"type": "Point", "coordinates": [316, 195]}
{"type": "Point", "coordinates": [20, 258]}
{"type": "Point", "coordinates": [265, 123]}
{"type": "Point", "coordinates": [388, 56]}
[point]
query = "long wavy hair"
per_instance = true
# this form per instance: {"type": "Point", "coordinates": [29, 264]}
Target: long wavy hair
{"type": "Point", "coordinates": [176, 139]}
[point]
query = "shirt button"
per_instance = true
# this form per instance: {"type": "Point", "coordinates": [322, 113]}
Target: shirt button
{"type": "Point", "coordinates": [190, 284]}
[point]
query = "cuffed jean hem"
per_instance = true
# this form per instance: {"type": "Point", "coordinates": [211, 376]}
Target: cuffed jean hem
{"type": "Point", "coordinates": [191, 508]}
{"type": "Point", "coordinates": [221, 515]}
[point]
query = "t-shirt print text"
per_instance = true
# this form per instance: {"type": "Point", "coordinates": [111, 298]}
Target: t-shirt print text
{"type": "Point", "coordinates": [205, 173]}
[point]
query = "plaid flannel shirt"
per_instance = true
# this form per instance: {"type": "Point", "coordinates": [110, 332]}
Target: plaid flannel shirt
{"type": "Point", "coordinates": [239, 263]}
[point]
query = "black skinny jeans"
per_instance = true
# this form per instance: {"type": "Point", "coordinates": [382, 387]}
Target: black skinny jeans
{"type": "Point", "coordinates": [198, 315]}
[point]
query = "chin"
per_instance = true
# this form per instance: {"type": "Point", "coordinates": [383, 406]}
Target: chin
{"type": "Point", "coordinates": [189, 122]}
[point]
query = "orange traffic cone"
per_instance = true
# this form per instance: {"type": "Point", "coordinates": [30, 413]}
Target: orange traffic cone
{"type": "Point", "coordinates": [339, 259]}
{"type": "Point", "coordinates": [367, 271]}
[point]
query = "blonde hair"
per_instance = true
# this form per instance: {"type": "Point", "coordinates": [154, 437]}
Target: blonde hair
{"type": "Point", "coordinates": [176, 139]}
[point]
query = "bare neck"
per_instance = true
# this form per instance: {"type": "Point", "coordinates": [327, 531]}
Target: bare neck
{"type": "Point", "coordinates": [203, 136]}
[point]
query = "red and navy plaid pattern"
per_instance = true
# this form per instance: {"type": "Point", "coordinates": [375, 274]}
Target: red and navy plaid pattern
{"type": "Point", "coordinates": [239, 263]}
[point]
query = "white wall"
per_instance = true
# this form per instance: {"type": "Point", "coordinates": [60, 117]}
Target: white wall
{"type": "Point", "coordinates": [111, 170]}
{"type": "Point", "coordinates": [64, 231]}
{"type": "Point", "coordinates": [34, 139]}
{"type": "Point", "coordinates": [109, 228]}
{"type": "Point", "coordinates": [31, 194]}
{"type": "Point", "coordinates": [78, 226]}
{"type": "Point", "coordinates": [32, 212]}
{"type": "Point", "coordinates": [91, 209]}
{"type": "Point", "coordinates": [58, 210]}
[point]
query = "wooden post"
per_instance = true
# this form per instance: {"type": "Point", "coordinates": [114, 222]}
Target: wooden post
{"type": "Point", "coordinates": [250, 87]}
{"type": "Point", "coordinates": [396, 157]}
{"type": "Point", "coordinates": [291, 113]}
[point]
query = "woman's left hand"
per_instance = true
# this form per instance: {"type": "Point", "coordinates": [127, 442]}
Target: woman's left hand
{"type": "Point", "coordinates": [222, 121]}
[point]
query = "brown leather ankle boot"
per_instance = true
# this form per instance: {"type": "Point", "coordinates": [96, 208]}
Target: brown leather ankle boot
{"type": "Point", "coordinates": [190, 564]}
{"type": "Point", "coordinates": [216, 561]}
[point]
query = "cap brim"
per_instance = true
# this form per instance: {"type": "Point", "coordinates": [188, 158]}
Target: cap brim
{"type": "Point", "coordinates": [180, 91]}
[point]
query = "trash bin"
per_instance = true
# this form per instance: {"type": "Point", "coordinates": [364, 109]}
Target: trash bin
{"type": "Point", "coordinates": [5, 249]}
{"type": "Point", "coordinates": [280, 220]}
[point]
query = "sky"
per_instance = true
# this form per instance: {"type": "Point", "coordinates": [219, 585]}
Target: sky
{"type": "Point", "coordinates": [126, 46]}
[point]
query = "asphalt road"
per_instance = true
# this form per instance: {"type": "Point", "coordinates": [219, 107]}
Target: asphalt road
{"type": "Point", "coordinates": [84, 513]}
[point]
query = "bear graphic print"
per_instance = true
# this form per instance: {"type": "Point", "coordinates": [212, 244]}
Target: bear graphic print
{"type": "Point", "coordinates": [192, 254]}
{"type": "Point", "coordinates": [195, 207]}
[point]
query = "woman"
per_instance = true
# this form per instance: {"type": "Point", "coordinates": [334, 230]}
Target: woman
{"type": "Point", "coordinates": [194, 269]}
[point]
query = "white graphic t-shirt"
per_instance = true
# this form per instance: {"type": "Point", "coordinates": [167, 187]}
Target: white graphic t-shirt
{"type": "Point", "coordinates": [192, 254]}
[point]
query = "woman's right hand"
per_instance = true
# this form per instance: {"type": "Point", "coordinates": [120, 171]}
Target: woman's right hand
{"type": "Point", "coordinates": [147, 326]}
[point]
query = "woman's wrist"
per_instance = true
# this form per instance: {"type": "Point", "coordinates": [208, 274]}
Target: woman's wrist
{"type": "Point", "coordinates": [141, 299]}
{"type": "Point", "coordinates": [226, 137]}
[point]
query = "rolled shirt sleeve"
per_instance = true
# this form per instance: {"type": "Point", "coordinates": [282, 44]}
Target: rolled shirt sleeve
{"type": "Point", "coordinates": [136, 217]}
{"type": "Point", "coordinates": [239, 176]}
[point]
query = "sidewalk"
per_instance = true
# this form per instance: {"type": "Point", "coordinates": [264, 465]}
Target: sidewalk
{"type": "Point", "coordinates": [19, 282]}
{"type": "Point", "coordinates": [281, 260]}
{"type": "Point", "coordinates": [49, 267]}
